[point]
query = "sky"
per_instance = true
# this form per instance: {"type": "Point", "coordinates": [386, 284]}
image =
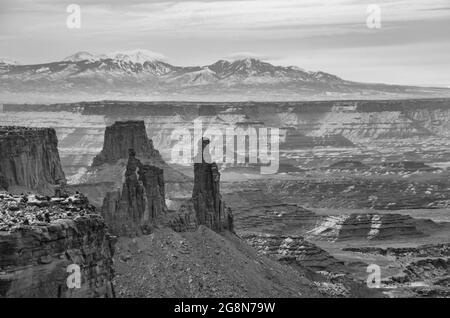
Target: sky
{"type": "Point", "coordinates": [411, 47]}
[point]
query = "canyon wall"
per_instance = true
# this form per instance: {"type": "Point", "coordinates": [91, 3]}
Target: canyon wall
{"type": "Point", "coordinates": [29, 159]}
{"type": "Point", "coordinates": [406, 129]}
{"type": "Point", "coordinates": [40, 237]}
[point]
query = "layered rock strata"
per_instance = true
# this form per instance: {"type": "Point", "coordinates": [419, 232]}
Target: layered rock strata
{"type": "Point", "coordinates": [276, 218]}
{"type": "Point", "coordinates": [293, 250]}
{"type": "Point", "coordinates": [44, 240]}
{"type": "Point", "coordinates": [366, 227]}
{"type": "Point", "coordinates": [29, 159]}
{"type": "Point", "coordinates": [427, 250]}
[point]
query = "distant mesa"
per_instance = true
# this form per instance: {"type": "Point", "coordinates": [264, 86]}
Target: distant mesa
{"type": "Point", "coordinates": [122, 136]}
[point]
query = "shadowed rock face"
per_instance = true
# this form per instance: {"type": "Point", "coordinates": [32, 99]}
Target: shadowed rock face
{"type": "Point", "coordinates": [208, 204]}
{"type": "Point", "coordinates": [141, 202]}
{"type": "Point", "coordinates": [41, 236]}
{"type": "Point", "coordinates": [122, 136]}
{"type": "Point", "coordinates": [29, 159]}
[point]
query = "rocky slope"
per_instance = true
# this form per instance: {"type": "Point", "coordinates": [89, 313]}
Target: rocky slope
{"type": "Point", "coordinates": [29, 159]}
{"type": "Point", "coordinates": [41, 236]}
{"type": "Point", "coordinates": [204, 263]}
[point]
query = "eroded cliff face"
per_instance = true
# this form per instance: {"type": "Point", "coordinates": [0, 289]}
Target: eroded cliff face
{"type": "Point", "coordinates": [134, 210]}
{"type": "Point", "coordinates": [209, 207]}
{"type": "Point", "coordinates": [40, 237]}
{"type": "Point", "coordinates": [29, 159]}
{"type": "Point", "coordinates": [106, 174]}
{"type": "Point", "coordinates": [122, 136]}
{"type": "Point", "coordinates": [141, 205]}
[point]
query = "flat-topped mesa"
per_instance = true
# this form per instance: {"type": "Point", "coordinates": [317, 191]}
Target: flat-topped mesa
{"type": "Point", "coordinates": [29, 160]}
{"type": "Point", "coordinates": [134, 210]}
{"type": "Point", "coordinates": [209, 207]}
{"type": "Point", "coordinates": [122, 136]}
{"type": "Point", "coordinates": [44, 240]}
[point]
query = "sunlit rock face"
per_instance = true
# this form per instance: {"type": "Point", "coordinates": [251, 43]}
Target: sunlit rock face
{"type": "Point", "coordinates": [122, 136]}
{"type": "Point", "coordinates": [29, 159]}
{"type": "Point", "coordinates": [43, 238]}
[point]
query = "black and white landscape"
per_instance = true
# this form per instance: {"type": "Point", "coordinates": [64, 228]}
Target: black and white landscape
{"type": "Point", "coordinates": [212, 171]}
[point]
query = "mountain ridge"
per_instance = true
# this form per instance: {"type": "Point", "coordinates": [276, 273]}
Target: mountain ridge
{"type": "Point", "coordinates": [145, 74]}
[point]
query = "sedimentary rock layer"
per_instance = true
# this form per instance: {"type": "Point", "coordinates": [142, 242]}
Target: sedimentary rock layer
{"type": "Point", "coordinates": [427, 250]}
{"type": "Point", "coordinates": [292, 250]}
{"type": "Point", "coordinates": [276, 218]}
{"type": "Point", "coordinates": [29, 159]}
{"type": "Point", "coordinates": [366, 226]}
{"type": "Point", "coordinates": [40, 237]}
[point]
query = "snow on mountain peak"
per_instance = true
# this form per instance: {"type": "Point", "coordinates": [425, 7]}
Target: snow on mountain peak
{"type": "Point", "coordinates": [136, 56]}
{"type": "Point", "coordinates": [80, 56]}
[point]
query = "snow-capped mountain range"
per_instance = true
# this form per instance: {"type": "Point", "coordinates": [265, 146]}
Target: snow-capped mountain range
{"type": "Point", "coordinates": [145, 74]}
